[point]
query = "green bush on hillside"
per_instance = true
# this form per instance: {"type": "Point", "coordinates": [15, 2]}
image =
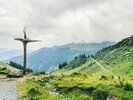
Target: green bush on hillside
{"type": "Point", "coordinates": [100, 95]}
{"type": "Point", "coordinates": [128, 87]}
{"type": "Point", "coordinates": [33, 93]}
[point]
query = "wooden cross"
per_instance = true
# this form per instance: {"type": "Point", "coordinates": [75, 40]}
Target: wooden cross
{"type": "Point", "coordinates": [25, 41]}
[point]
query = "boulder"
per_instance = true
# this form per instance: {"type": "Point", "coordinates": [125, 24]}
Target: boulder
{"type": "Point", "coordinates": [15, 74]}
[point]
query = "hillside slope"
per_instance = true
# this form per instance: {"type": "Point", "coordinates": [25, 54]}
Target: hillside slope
{"type": "Point", "coordinates": [117, 59]}
{"type": "Point", "coordinates": [5, 69]}
{"type": "Point", "coordinates": [2, 65]}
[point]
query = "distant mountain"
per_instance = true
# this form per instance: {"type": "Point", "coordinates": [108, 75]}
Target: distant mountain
{"type": "Point", "coordinates": [47, 59]}
{"type": "Point", "coordinates": [6, 53]}
{"type": "Point", "coordinates": [117, 59]}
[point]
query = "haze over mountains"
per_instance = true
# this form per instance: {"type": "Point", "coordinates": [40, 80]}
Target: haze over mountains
{"type": "Point", "coordinates": [47, 59]}
{"type": "Point", "coordinates": [6, 53]}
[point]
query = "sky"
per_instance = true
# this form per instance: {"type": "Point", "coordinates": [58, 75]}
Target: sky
{"type": "Point", "coordinates": [58, 22]}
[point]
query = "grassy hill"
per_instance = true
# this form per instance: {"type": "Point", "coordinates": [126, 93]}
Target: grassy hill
{"type": "Point", "coordinates": [5, 68]}
{"type": "Point", "coordinates": [109, 71]}
{"type": "Point", "coordinates": [117, 59]}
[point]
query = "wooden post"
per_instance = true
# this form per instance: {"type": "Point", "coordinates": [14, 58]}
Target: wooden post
{"type": "Point", "coordinates": [25, 41]}
{"type": "Point", "coordinates": [25, 58]}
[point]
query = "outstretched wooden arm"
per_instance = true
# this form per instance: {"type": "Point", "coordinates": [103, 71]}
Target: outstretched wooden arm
{"type": "Point", "coordinates": [19, 39]}
{"type": "Point", "coordinates": [33, 40]}
{"type": "Point", "coordinates": [26, 40]}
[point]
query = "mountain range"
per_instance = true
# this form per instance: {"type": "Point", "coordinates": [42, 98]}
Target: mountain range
{"type": "Point", "coordinates": [48, 59]}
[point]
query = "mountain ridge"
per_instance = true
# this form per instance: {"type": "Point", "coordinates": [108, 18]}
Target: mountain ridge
{"type": "Point", "coordinates": [124, 42]}
{"type": "Point", "coordinates": [48, 58]}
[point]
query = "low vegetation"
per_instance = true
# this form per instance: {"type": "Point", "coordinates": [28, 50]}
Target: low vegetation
{"type": "Point", "coordinates": [74, 87]}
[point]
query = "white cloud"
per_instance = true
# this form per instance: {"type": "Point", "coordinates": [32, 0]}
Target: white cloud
{"type": "Point", "coordinates": [57, 22]}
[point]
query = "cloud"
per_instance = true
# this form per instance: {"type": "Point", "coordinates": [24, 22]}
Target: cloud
{"type": "Point", "coordinates": [57, 22]}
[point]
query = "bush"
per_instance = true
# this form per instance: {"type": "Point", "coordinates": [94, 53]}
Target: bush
{"type": "Point", "coordinates": [85, 76]}
{"type": "Point", "coordinates": [128, 87]}
{"type": "Point", "coordinates": [75, 74]}
{"type": "Point", "coordinates": [131, 66]}
{"type": "Point", "coordinates": [100, 95]}
{"type": "Point", "coordinates": [33, 93]}
{"type": "Point", "coordinates": [118, 86]}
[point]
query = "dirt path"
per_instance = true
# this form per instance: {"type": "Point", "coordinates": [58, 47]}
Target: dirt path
{"type": "Point", "coordinates": [104, 68]}
{"type": "Point", "coordinates": [7, 88]}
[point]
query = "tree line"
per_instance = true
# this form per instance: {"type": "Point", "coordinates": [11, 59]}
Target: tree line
{"type": "Point", "coordinates": [18, 66]}
{"type": "Point", "coordinates": [77, 61]}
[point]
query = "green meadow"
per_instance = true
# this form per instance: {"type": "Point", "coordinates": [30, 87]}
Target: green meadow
{"type": "Point", "coordinates": [106, 75]}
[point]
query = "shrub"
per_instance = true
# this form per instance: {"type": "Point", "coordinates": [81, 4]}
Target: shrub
{"type": "Point", "coordinates": [128, 87]}
{"type": "Point", "coordinates": [33, 93]}
{"type": "Point", "coordinates": [118, 86]}
{"type": "Point", "coordinates": [100, 95]}
{"type": "Point", "coordinates": [85, 76]}
{"type": "Point", "coordinates": [131, 66]}
{"type": "Point", "coordinates": [75, 74]}
{"type": "Point", "coordinates": [103, 77]}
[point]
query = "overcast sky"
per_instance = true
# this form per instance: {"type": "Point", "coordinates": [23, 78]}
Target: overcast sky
{"type": "Point", "coordinates": [57, 22]}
